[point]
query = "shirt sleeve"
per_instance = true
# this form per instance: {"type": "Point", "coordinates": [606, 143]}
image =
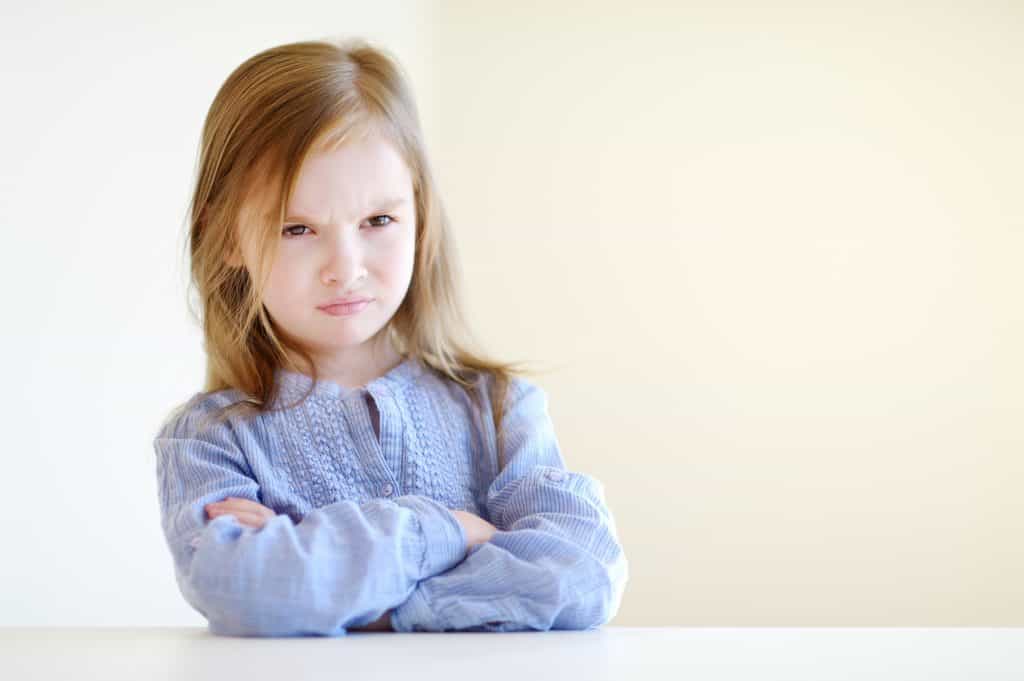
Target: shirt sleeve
{"type": "Point", "coordinates": [555, 561]}
{"type": "Point", "coordinates": [343, 565]}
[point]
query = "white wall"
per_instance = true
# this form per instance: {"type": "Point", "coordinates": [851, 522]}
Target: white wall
{"type": "Point", "coordinates": [771, 255]}
{"type": "Point", "coordinates": [102, 112]}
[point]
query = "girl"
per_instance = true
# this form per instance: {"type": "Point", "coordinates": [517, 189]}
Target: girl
{"type": "Point", "coordinates": [352, 463]}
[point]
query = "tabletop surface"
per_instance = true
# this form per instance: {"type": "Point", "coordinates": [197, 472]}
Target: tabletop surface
{"type": "Point", "coordinates": [633, 653]}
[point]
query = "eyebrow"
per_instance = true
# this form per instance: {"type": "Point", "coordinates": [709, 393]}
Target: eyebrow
{"type": "Point", "coordinates": [383, 204]}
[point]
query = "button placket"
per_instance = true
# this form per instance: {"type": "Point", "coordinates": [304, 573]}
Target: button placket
{"type": "Point", "coordinates": [387, 489]}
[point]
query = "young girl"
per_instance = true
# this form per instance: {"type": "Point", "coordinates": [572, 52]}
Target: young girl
{"type": "Point", "coordinates": [352, 463]}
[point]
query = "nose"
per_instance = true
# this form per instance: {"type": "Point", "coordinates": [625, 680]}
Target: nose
{"type": "Point", "coordinates": [344, 265]}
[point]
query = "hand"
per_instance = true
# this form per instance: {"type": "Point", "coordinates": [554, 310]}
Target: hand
{"type": "Point", "coordinates": [247, 511]}
{"type": "Point", "coordinates": [478, 531]}
{"type": "Point", "coordinates": [383, 623]}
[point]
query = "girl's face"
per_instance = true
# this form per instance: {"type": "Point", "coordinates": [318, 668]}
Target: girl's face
{"type": "Point", "coordinates": [350, 232]}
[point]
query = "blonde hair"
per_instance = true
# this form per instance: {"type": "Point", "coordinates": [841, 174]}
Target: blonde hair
{"type": "Point", "coordinates": [274, 110]}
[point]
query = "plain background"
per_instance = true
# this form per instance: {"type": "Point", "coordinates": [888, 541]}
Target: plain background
{"type": "Point", "coordinates": [769, 255]}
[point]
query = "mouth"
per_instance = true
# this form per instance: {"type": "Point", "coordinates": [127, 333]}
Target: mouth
{"type": "Point", "coordinates": [347, 308]}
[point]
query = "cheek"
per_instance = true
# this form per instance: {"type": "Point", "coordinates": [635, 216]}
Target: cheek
{"type": "Point", "coordinates": [285, 286]}
{"type": "Point", "coordinates": [395, 262]}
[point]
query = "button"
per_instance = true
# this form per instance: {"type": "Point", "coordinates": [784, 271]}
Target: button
{"type": "Point", "coordinates": [555, 476]}
{"type": "Point", "coordinates": [387, 489]}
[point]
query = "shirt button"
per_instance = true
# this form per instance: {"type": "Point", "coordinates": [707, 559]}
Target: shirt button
{"type": "Point", "coordinates": [555, 476]}
{"type": "Point", "coordinates": [387, 489]}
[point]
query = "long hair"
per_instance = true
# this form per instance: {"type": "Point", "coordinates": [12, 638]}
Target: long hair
{"type": "Point", "coordinates": [275, 109]}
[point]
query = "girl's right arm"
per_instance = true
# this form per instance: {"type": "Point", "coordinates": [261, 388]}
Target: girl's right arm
{"type": "Point", "coordinates": [255, 515]}
{"type": "Point", "coordinates": [344, 565]}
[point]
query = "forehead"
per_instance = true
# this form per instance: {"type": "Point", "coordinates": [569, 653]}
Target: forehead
{"type": "Point", "coordinates": [345, 181]}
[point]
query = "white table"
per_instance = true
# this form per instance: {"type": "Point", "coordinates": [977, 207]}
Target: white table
{"type": "Point", "coordinates": [621, 653]}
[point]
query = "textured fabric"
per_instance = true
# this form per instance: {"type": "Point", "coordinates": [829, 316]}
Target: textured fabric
{"type": "Point", "coordinates": [363, 482]}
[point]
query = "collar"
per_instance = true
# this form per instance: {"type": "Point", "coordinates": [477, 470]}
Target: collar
{"type": "Point", "coordinates": [295, 384]}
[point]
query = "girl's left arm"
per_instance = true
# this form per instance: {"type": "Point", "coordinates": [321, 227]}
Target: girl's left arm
{"type": "Point", "coordinates": [555, 562]}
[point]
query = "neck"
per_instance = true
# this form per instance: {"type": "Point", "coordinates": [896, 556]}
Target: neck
{"type": "Point", "coordinates": [355, 368]}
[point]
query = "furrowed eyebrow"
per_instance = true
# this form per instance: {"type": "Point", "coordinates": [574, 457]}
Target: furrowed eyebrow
{"type": "Point", "coordinates": [387, 204]}
{"type": "Point", "coordinates": [382, 205]}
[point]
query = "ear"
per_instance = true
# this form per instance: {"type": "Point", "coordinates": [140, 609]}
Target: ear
{"type": "Point", "coordinates": [233, 252]}
{"type": "Point", "coordinates": [233, 259]}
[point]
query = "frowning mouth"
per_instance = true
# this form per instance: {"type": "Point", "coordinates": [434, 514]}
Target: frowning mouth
{"type": "Point", "coordinates": [345, 309]}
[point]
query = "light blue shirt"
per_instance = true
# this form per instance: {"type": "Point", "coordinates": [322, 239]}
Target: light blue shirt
{"type": "Point", "coordinates": [363, 522]}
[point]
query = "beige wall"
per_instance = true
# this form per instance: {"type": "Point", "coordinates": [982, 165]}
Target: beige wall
{"type": "Point", "coordinates": [772, 258]}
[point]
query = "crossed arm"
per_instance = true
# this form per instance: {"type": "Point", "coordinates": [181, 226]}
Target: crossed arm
{"type": "Point", "coordinates": [552, 559]}
{"type": "Point", "coordinates": [253, 514]}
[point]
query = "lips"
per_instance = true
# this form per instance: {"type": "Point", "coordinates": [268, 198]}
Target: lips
{"type": "Point", "coordinates": [349, 308]}
{"type": "Point", "coordinates": [344, 301]}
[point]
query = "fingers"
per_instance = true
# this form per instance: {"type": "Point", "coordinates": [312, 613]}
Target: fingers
{"type": "Point", "coordinates": [243, 517]}
{"type": "Point", "coordinates": [246, 511]}
{"type": "Point", "coordinates": [247, 505]}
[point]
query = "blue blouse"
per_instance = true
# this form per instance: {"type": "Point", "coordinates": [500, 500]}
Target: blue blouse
{"type": "Point", "coordinates": [363, 481]}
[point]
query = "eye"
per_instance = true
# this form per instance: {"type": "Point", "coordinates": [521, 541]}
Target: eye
{"type": "Point", "coordinates": [288, 230]}
{"type": "Point", "coordinates": [378, 217]}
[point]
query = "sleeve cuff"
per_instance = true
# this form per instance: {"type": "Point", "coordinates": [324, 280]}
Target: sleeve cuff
{"type": "Point", "coordinates": [445, 542]}
{"type": "Point", "coordinates": [414, 614]}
